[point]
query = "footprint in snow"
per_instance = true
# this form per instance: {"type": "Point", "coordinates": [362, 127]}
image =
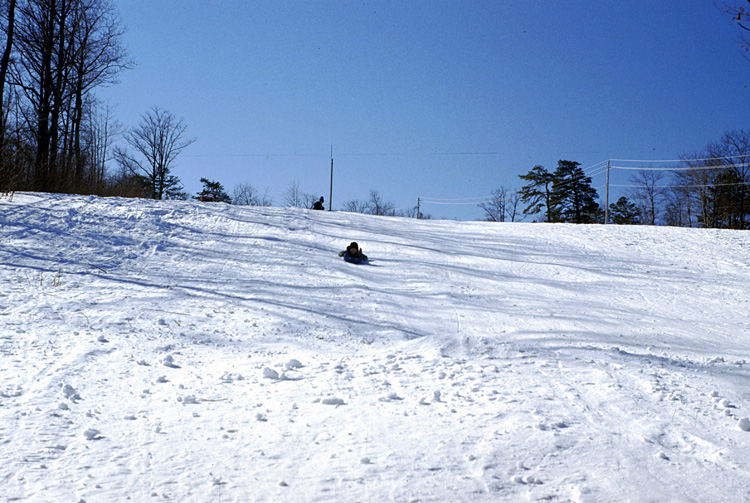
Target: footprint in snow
{"type": "Point", "coordinates": [188, 400]}
{"type": "Point", "coordinates": [70, 393]}
{"type": "Point", "coordinates": [435, 399]}
{"type": "Point", "coordinates": [392, 397]}
{"type": "Point", "coordinates": [528, 480]}
{"type": "Point", "coordinates": [92, 434]}
{"type": "Point", "coordinates": [333, 401]}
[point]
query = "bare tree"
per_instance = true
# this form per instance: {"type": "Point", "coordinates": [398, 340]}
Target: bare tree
{"type": "Point", "coordinates": [99, 58]}
{"type": "Point", "coordinates": [741, 15]}
{"type": "Point", "coordinates": [355, 206]}
{"type": "Point", "coordinates": [648, 194]}
{"type": "Point", "coordinates": [9, 29]}
{"type": "Point", "coordinates": [101, 132]}
{"type": "Point", "coordinates": [157, 142]}
{"type": "Point", "coordinates": [678, 207]}
{"type": "Point", "coordinates": [247, 195]}
{"type": "Point", "coordinates": [511, 205]}
{"type": "Point", "coordinates": [5, 167]}
{"type": "Point", "coordinates": [244, 195]}
{"type": "Point", "coordinates": [732, 190]}
{"type": "Point", "coordinates": [698, 180]}
{"type": "Point", "coordinates": [295, 198]}
{"type": "Point", "coordinates": [376, 206]}
{"type": "Point", "coordinates": [63, 50]}
{"type": "Point", "coordinates": [33, 72]}
{"type": "Point", "coordinates": [265, 199]}
{"type": "Point", "coordinates": [495, 208]}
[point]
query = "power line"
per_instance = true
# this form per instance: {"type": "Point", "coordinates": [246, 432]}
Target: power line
{"type": "Point", "coordinates": [742, 156]}
{"type": "Point", "coordinates": [407, 154]}
{"type": "Point", "coordinates": [681, 186]}
{"type": "Point", "coordinates": [683, 168]}
{"type": "Point", "coordinates": [457, 199]}
{"type": "Point", "coordinates": [427, 201]}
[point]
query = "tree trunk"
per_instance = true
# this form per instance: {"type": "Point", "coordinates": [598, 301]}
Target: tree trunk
{"type": "Point", "coordinates": [4, 71]}
{"type": "Point", "coordinates": [42, 161]}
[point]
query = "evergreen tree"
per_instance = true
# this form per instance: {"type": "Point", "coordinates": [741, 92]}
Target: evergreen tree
{"type": "Point", "coordinates": [624, 212]}
{"type": "Point", "coordinates": [213, 192]}
{"type": "Point", "coordinates": [573, 197]}
{"type": "Point", "coordinates": [537, 194]}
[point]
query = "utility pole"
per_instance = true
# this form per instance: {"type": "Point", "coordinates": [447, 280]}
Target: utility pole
{"type": "Point", "coordinates": [330, 193]}
{"type": "Point", "coordinates": [418, 215]}
{"type": "Point", "coordinates": [606, 200]}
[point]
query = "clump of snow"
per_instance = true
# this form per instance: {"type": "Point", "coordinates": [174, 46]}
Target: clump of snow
{"type": "Point", "coordinates": [744, 424]}
{"type": "Point", "coordinates": [270, 373]}
{"type": "Point", "coordinates": [292, 364]}
{"type": "Point", "coordinates": [168, 361]}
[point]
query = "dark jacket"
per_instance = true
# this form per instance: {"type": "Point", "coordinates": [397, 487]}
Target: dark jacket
{"type": "Point", "coordinates": [356, 257]}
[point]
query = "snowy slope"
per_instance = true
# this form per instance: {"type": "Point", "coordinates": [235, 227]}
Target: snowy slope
{"type": "Point", "coordinates": [178, 351]}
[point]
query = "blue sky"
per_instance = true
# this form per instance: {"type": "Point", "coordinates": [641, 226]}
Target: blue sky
{"type": "Point", "coordinates": [432, 99]}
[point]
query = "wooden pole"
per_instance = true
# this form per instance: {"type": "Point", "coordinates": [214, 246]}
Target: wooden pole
{"type": "Point", "coordinates": [606, 200]}
{"type": "Point", "coordinates": [330, 193]}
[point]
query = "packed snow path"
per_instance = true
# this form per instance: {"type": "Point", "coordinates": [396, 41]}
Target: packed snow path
{"type": "Point", "coordinates": [179, 351]}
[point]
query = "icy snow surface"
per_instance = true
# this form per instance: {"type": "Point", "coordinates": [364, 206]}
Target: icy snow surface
{"type": "Point", "coordinates": [179, 351]}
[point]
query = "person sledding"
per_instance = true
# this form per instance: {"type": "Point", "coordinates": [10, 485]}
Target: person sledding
{"type": "Point", "coordinates": [319, 204]}
{"type": "Point", "coordinates": [353, 254]}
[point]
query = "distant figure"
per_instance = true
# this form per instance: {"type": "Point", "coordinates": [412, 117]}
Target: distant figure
{"type": "Point", "coordinates": [319, 204]}
{"type": "Point", "coordinates": [353, 254]}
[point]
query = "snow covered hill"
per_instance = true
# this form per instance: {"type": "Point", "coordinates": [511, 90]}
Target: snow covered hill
{"type": "Point", "coordinates": [179, 351]}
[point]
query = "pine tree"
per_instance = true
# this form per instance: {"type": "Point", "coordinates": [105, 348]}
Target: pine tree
{"type": "Point", "coordinates": [573, 197]}
{"type": "Point", "coordinates": [624, 212]}
{"type": "Point", "coordinates": [537, 194]}
{"type": "Point", "coordinates": [213, 192]}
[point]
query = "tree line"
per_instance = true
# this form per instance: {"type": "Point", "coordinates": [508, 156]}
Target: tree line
{"type": "Point", "coordinates": [709, 188]}
{"type": "Point", "coordinates": [564, 195]}
{"type": "Point", "coordinates": [54, 132]}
